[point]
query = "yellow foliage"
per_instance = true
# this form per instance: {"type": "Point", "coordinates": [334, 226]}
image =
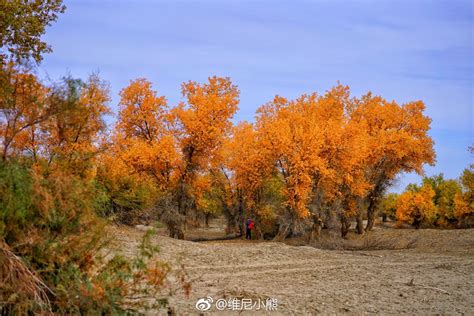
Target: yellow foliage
{"type": "Point", "coordinates": [411, 204]}
{"type": "Point", "coordinates": [143, 138]}
{"type": "Point", "coordinates": [204, 121]}
{"type": "Point", "coordinates": [461, 206]}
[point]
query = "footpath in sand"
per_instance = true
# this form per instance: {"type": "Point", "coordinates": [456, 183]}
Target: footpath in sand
{"type": "Point", "coordinates": [436, 276]}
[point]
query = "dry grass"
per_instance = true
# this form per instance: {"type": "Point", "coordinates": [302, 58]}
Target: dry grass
{"type": "Point", "coordinates": [17, 282]}
{"type": "Point", "coordinates": [380, 242]}
{"type": "Point", "coordinates": [365, 242]}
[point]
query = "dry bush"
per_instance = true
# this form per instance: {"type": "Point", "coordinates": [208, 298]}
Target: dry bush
{"type": "Point", "coordinates": [380, 242]}
{"type": "Point", "coordinates": [51, 238]}
{"type": "Point", "coordinates": [20, 289]}
{"type": "Point", "coordinates": [169, 214]}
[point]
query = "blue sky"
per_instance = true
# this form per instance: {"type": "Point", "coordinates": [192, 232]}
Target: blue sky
{"type": "Point", "coordinates": [403, 50]}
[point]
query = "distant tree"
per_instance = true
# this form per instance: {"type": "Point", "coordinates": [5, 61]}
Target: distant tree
{"type": "Point", "coordinates": [445, 192]}
{"type": "Point", "coordinates": [417, 207]}
{"type": "Point", "coordinates": [452, 200]}
{"type": "Point", "coordinates": [388, 206]}
{"type": "Point", "coordinates": [464, 201]}
{"type": "Point", "coordinates": [467, 182]}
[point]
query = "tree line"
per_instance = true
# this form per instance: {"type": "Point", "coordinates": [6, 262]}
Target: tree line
{"type": "Point", "coordinates": [437, 202]}
{"type": "Point", "coordinates": [330, 157]}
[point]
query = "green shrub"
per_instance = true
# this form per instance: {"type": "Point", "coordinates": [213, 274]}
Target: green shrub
{"type": "Point", "coordinates": [48, 220]}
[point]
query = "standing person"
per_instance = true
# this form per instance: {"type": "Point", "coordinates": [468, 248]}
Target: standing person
{"type": "Point", "coordinates": [249, 227]}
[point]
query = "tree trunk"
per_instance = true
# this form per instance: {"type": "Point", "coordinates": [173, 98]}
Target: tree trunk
{"type": "Point", "coordinates": [176, 231]}
{"type": "Point", "coordinates": [282, 232]}
{"type": "Point", "coordinates": [331, 220]}
{"type": "Point", "coordinates": [345, 225]}
{"type": "Point", "coordinates": [371, 214]}
{"type": "Point", "coordinates": [240, 216]}
{"type": "Point", "coordinates": [374, 198]}
{"type": "Point", "coordinates": [315, 231]}
{"type": "Point", "coordinates": [207, 215]}
{"type": "Point", "coordinates": [360, 223]}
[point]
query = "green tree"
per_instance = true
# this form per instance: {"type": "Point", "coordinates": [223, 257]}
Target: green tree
{"type": "Point", "coordinates": [388, 206]}
{"type": "Point", "coordinates": [445, 191]}
{"type": "Point", "coordinates": [22, 23]}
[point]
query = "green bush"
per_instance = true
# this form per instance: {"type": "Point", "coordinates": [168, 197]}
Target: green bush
{"type": "Point", "coordinates": [48, 220]}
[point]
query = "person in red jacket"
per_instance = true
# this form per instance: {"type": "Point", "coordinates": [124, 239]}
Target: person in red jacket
{"type": "Point", "coordinates": [249, 228]}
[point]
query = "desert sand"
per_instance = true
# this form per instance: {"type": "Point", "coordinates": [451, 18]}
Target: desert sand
{"type": "Point", "coordinates": [423, 271]}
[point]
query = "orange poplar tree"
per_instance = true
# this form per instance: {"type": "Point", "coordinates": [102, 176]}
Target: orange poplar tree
{"type": "Point", "coordinates": [290, 131]}
{"type": "Point", "coordinates": [201, 125]}
{"type": "Point", "coordinates": [337, 191]}
{"type": "Point", "coordinates": [415, 207]}
{"type": "Point", "coordinates": [247, 165]}
{"type": "Point", "coordinates": [398, 140]}
{"type": "Point", "coordinates": [144, 133]}
{"type": "Point", "coordinates": [139, 166]}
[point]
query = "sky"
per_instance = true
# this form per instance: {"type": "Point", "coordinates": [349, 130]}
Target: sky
{"type": "Point", "coordinates": [403, 50]}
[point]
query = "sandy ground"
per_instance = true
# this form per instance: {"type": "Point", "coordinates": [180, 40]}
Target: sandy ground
{"type": "Point", "coordinates": [434, 276]}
